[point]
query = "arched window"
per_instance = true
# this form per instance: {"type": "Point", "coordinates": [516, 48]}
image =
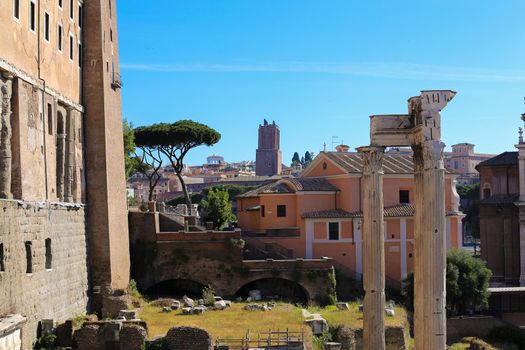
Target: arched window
{"type": "Point", "coordinates": [486, 191]}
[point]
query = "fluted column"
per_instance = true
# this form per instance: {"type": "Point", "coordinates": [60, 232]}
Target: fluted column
{"type": "Point", "coordinates": [373, 249]}
{"type": "Point", "coordinates": [6, 89]}
{"type": "Point", "coordinates": [430, 257]}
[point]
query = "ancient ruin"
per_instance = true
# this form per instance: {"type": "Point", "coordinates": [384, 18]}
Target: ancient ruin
{"type": "Point", "coordinates": [421, 130]}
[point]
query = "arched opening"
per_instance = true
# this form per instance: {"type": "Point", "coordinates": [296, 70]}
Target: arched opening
{"type": "Point", "coordinates": [275, 288]}
{"type": "Point", "coordinates": [175, 288]}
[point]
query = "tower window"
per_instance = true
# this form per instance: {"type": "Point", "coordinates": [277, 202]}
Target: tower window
{"type": "Point", "coordinates": [71, 9]}
{"type": "Point", "coordinates": [49, 255]}
{"type": "Point", "coordinates": [49, 119]}
{"type": "Point", "coordinates": [404, 196]}
{"type": "Point", "coordinates": [71, 48]}
{"type": "Point", "coordinates": [46, 26]}
{"type": "Point", "coordinates": [29, 257]}
{"type": "Point", "coordinates": [80, 16]}
{"type": "Point", "coordinates": [60, 4]}
{"type": "Point", "coordinates": [263, 209]}
{"type": "Point", "coordinates": [333, 231]}
{"type": "Point", "coordinates": [80, 55]}
{"type": "Point", "coordinates": [16, 9]}
{"type": "Point", "coordinates": [281, 211]}
{"type": "Point", "coordinates": [32, 16]}
{"type": "Point", "coordinates": [59, 37]}
{"type": "Point", "coordinates": [2, 265]}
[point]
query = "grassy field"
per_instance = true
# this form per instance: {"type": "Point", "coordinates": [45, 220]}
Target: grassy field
{"type": "Point", "coordinates": [353, 318]}
{"type": "Point", "coordinates": [233, 322]}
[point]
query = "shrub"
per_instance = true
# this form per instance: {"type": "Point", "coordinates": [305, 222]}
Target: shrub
{"type": "Point", "coordinates": [507, 335]}
{"type": "Point", "coordinates": [45, 342]}
{"type": "Point", "coordinates": [133, 290]}
{"type": "Point", "coordinates": [208, 295]}
{"type": "Point", "coordinates": [321, 340]}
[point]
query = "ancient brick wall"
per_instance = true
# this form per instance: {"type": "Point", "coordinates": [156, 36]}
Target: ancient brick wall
{"type": "Point", "coordinates": [57, 291]}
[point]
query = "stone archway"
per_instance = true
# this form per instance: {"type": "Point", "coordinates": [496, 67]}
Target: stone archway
{"type": "Point", "coordinates": [280, 287]}
{"type": "Point", "coordinates": [176, 288]}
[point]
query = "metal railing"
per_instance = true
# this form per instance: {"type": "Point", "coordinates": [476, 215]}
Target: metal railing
{"type": "Point", "coordinates": [273, 339]}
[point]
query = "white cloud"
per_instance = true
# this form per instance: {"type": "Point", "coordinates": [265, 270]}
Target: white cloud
{"type": "Point", "coordinates": [401, 71]}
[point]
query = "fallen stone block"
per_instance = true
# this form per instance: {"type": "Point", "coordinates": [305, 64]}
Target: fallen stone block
{"type": "Point", "coordinates": [342, 306]}
{"type": "Point", "coordinates": [129, 314]}
{"type": "Point", "coordinates": [318, 325]}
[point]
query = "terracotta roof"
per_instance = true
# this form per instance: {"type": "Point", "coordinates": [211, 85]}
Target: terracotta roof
{"type": "Point", "coordinates": [392, 163]}
{"type": "Point", "coordinates": [505, 158]}
{"type": "Point", "coordinates": [300, 184]}
{"type": "Point", "coordinates": [395, 211]}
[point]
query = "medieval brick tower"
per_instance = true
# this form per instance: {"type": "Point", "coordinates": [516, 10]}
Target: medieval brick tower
{"type": "Point", "coordinates": [268, 160]}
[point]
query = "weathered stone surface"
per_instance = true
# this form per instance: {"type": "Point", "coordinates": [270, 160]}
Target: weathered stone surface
{"type": "Point", "coordinates": [163, 302]}
{"type": "Point", "coordinates": [132, 337]}
{"type": "Point", "coordinates": [129, 314]}
{"type": "Point", "coordinates": [220, 305]}
{"type": "Point", "coordinates": [61, 290]}
{"type": "Point", "coordinates": [318, 325]}
{"type": "Point", "coordinates": [188, 302]}
{"type": "Point", "coordinates": [188, 338]}
{"type": "Point", "coordinates": [5, 137]}
{"type": "Point", "coordinates": [113, 304]}
{"type": "Point", "coordinates": [87, 338]}
{"type": "Point", "coordinates": [352, 339]}
{"type": "Point", "coordinates": [342, 306]}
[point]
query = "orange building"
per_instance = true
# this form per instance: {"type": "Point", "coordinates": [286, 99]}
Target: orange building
{"type": "Point", "coordinates": [319, 214]}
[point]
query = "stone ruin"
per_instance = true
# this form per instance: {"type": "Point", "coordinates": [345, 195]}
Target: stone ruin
{"type": "Point", "coordinates": [421, 130]}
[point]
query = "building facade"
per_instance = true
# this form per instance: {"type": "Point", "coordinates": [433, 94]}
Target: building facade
{"type": "Point", "coordinates": [268, 158]}
{"type": "Point", "coordinates": [319, 214]}
{"type": "Point", "coordinates": [463, 159]}
{"type": "Point", "coordinates": [63, 211]}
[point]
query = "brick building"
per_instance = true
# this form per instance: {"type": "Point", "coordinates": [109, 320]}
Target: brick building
{"type": "Point", "coordinates": [63, 217]}
{"type": "Point", "coordinates": [268, 158]}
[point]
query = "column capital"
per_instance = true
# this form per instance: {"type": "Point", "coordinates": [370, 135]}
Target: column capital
{"type": "Point", "coordinates": [372, 158]}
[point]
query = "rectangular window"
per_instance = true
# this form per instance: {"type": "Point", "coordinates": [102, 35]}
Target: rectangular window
{"type": "Point", "coordinates": [46, 27]}
{"type": "Point", "coordinates": [456, 164]}
{"type": "Point", "coordinates": [59, 37]}
{"type": "Point", "coordinates": [16, 9]}
{"type": "Point", "coordinates": [281, 211]}
{"type": "Point", "coordinates": [71, 9]}
{"type": "Point", "coordinates": [2, 264]}
{"type": "Point", "coordinates": [80, 55]}
{"type": "Point", "coordinates": [29, 257]}
{"type": "Point", "coordinates": [263, 213]}
{"type": "Point", "coordinates": [110, 9]}
{"type": "Point", "coordinates": [60, 4]}
{"type": "Point", "coordinates": [80, 17]}
{"type": "Point", "coordinates": [404, 196]}
{"type": "Point", "coordinates": [49, 119]}
{"type": "Point", "coordinates": [333, 231]}
{"type": "Point", "coordinates": [71, 48]}
{"type": "Point", "coordinates": [32, 16]}
{"type": "Point", "coordinates": [49, 255]}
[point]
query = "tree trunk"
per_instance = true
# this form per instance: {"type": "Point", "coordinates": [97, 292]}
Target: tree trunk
{"type": "Point", "coordinates": [186, 193]}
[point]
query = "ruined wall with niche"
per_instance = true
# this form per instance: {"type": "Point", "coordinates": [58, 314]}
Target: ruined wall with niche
{"type": "Point", "coordinates": [43, 272]}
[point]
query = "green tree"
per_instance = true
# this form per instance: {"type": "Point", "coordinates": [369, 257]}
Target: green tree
{"type": "Point", "coordinates": [467, 282]}
{"type": "Point", "coordinates": [218, 208]}
{"type": "Point", "coordinates": [148, 158]}
{"type": "Point", "coordinates": [175, 140]}
{"type": "Point", "coordinates": [130, 160]}
{"type": "Point", "coordinates": [308, 157]}
{"type": "Point", "coordinates": [295, 159]}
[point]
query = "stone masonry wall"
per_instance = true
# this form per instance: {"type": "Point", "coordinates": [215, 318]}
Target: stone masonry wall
{"type": "Point", "coordinates": [59, 292]}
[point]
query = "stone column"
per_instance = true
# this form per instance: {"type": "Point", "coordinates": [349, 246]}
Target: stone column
{"type": "Point", "coordinates": [6, 90]}
{"type": "Point", "coordinates": [521, 205]}
{"type": "Point", "coordinates": [69, 155]}
{"type": "Point", "coordinates": [430, 250]}
{"type": "Point", "coordinates": [373, 249]}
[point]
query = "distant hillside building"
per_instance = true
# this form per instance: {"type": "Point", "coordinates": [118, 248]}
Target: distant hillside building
{"type": "Point", "coordinates": [464, 160]}
{"type": "Point", "coordinates": [268, 161]}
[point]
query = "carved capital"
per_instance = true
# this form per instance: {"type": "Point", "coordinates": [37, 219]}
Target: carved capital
{"type": "Point", "coordinates": [372, 159]}
{"type": "Point", "coordinates": [433, 156]}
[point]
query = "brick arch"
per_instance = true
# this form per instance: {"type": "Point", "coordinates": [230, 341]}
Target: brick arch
{"type": "Point", "coordinates": [282, 286]}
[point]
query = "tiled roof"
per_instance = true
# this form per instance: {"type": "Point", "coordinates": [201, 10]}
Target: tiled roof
{"type": "Point", "coordinates": [392, 163]}
{"type": "Point", "coordinates": [505, 158]}
{"type": "Point", "coordinates": [395, 211]}
{"type": "Point", "coordinates": [281, 186]}
{"type": "Point", "coordinates": [327, 214]}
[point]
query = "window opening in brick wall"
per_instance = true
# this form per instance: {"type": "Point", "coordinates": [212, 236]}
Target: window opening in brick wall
{"type": "Point", "coordinates": [32, 16]}
{"type": "Point", "coordinates": [281, 211]}
{"type": "Point", "coordinates": [333, 231]}
{"type": "Point", "coordinates": [404, 196]}
{"type": "Point", "coordinates": [49, 119]}
{"type": "Point", "coordinates": [59, 37]}
{"type": "Point", "coordinates": [2, 264]}
{"type": "Point", "coordinates": [16, 9]}
{"type": "Point", "coordinates": [47, 33]}
{"type": "Point", "coordinates": [29, 257]}
{"type": "Point", "coordinates": [49, 255]}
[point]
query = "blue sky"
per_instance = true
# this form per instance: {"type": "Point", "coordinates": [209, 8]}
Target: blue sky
{"type": "Point", "coordinates": [319, 68]}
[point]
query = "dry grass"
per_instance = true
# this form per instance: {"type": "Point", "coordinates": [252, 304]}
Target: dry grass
{"type": "Point", "coordinates": [233, 322]}
{"type": "Point", "coordinates": [353, 318]}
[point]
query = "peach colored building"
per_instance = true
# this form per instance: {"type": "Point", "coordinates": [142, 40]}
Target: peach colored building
{"type": "Point", "coordinates": [319, 214]}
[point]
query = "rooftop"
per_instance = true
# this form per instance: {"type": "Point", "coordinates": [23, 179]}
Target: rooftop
{"type": "Point", "coordinates": [292, 185]}
{"type": "Point", "coordinates": [505, 158]}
